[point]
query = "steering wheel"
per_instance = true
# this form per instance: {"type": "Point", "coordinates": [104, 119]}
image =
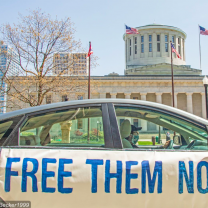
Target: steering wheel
{"type": "Point", "coordinates": [170, 146]}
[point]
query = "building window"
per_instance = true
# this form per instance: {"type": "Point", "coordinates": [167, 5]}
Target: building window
{"type": "Point", "coordinates": [142, 39]}
{"type": "Point", "coordinates": [166, 38]}
{"type": "Point", "coordinates": [80, 97]}
{"type": "Point", "coordinates": [150, 38]}
{"type": "Point", "coordinates": [135, 121]}
{"type": "Point", "coordinates": [158, 47]}
{"type": "Point", "coordinates": [64, 98]}
{"type": "Point", "coordinates": [48, 99]}
{"type": "Point", "coordinates": [135, 45]}
{"type": "Point", "coordinates": [135, 98]}
{"type": "Point", "coordinates": [80, 124]}
{"type": "Point", "coordinates": [150, 47]}
{"type": "Point", "coordinates": [173, 39]}
{"type": "Point", "coordinates": [166, 47]}
{"type": "Point", "coordinates": [158, 43]}
{"type": "Point", "coordinates": [142, 48]}
{"type": "Point", "coordinates": [150, 44]}
{"type": "Point", "coordinates": [166, 43]}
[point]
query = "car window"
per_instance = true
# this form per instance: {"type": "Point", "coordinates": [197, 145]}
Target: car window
{"type": "Point", "coordinates": [78, 127]}
{"type": "Point", "coordinates": [141, 128]}
{"type": "Point", "coordinates": [4, 127]}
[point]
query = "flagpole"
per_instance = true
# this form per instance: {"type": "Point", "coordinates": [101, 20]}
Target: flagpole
{"type": "Point", "coordinates": [89, 76]}
{"type": "Point", "coordinates": [199, 48]}
{"type": "Point", "coordinates": [125, 46]}
{"type": "Point", "coordinates": [88, 136]}
{"type": "Point", "coordinates": [172, 75]}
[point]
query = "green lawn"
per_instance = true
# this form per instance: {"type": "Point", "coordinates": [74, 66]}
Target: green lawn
{"type": "Point", "coordinates": [146, 143]}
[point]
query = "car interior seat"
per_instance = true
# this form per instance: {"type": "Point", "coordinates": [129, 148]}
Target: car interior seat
{"type": "Point", "coordinates": [125, 131]}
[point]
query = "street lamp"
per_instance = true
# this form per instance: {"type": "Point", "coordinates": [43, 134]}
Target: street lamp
{"type": "Point", "coordinates": [205, 82]}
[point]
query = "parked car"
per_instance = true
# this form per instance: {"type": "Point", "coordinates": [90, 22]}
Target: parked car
{"type": "Point", "coordinates": [84, 154]}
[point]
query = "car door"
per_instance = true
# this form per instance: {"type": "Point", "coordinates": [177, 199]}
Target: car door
{"type": "Point", "coordinates": [53, 157]}
{"type": "Point", "coordinates": [175, 175]}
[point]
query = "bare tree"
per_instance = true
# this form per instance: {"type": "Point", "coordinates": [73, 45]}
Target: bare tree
{"type": "Point", "coordinates": [43, 49]}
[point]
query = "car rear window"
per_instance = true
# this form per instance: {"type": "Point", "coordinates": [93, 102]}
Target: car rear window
{"type": "Point", "coordinates": [78, 127]}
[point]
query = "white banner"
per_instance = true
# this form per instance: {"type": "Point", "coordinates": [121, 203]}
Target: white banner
{"type": "Point", "coordinates": [96, 179]}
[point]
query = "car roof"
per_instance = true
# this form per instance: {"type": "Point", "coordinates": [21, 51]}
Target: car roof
{"type": "Point", "coordinates": [100, 101]}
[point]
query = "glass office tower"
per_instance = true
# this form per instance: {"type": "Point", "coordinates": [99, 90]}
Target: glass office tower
{"type": "Point", "coordinates": [8, 65]}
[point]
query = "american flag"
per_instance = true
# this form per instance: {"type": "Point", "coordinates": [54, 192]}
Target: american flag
{"type": "Point", "coordinates": [174, 51]}
{"type": "Point", "coordinates": [203, 31]}
{"type": "Point", "coordinates": [90, 51]}
{"type": "Point", "coordinates": [131, 30]}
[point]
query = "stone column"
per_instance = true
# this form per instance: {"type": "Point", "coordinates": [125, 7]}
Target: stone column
{"type": "Point", "coordinates": [102, 94]}
{"type": "Point", "coordinates": [85, 96]}
{"type": "Point", "coordinates": [126, 45]}
{"type": "Point", "coordinates": [162, 44]}
{"type": "Point", "coordinates": [143, 122]}
{"type": "Point", "coordinates": [176, 99]}
{"type": "Point", "coordinates": [176, 44]}
{"type": "Point", "coordinates": [127, 95]}
{"type": "Point", "coordinates": [65, 130]}
{"type": "Point", "coordinates": [203, 105]}
{"type": "Point", "coordinates": [182, 49]}
{"type": "Point", "coordinates": [158, 97]}
{"type": "Point", "coordinates": [146, 45]}
{"type": "Point", "coordinates": [154, 44]}
{"type": "Point", "coordinates": [189, 102]}
{"type": "Point", "coordinates": [169, 46]}
{"type": "Point", "coordinates": [127, 48]}
{"type": "Point", "coordinates": [113, 95]}
{"type": "Point", "coordinates": [143, 95]}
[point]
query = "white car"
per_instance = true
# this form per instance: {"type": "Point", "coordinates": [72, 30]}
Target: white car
{"type": "Point", "coordinates": [102, 153]}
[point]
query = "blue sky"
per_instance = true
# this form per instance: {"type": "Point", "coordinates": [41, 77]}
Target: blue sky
{"type": "Point", "coordinates": [102, 23]}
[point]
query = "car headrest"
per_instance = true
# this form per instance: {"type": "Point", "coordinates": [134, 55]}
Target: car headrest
{"type": "Point", "coordinates": [125, 129]}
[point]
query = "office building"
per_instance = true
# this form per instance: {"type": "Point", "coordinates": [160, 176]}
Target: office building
{"type": "Point", "coordinates": [9, 67]}
{"type": "Point", "coordinates": [70, 64]}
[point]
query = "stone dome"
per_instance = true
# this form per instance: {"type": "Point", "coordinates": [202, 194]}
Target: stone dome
{"type": "Point", "coordinates": [152, 46]}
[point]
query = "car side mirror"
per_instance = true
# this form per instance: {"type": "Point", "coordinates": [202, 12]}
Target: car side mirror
{"type": "Point", "coordinates": [177, 140]}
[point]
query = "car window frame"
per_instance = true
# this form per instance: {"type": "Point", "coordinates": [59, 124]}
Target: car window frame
{"type": "Point", "coordinates": [17, 121]}
{"type": "Point", "coordinates": [13, 140]}
{"type": "Point", "coordinates": [144, 107]}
